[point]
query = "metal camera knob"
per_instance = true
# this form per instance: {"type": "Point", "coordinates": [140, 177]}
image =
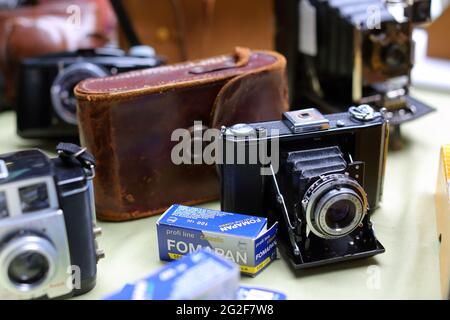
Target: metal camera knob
{"type": "Point", "coordinates": [364, 112]}
{"type": "Point", "coordinates": [240, 130]}
{"type": "Point", "coordinates": [142, 52]}
{"type": "Point", "coordinates": [100, 254]}
{"type": "Point", "coordinates": [97, 231]}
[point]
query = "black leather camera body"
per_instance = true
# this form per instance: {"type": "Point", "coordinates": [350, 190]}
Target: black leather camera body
{"type": "Point", "coordinates": [327, 177]}
{"type": "Point", "coordinates": [47, 224]}
{"type": "Point", "coordinates": [352, 52]}
{"type": "Point", "coordinates": [46, 107]}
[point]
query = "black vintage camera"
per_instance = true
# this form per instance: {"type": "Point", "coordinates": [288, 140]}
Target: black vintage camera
{"type": "Point", "coordinates": [352, 52]}
{"type": "Point", "coordinates": [322, 175]}
{"type": "Point", "coordinates": [47, 224]}
{"type": "Point", "coordinates": [46, 106]}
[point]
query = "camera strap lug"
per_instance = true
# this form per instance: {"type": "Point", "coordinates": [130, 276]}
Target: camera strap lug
{"type": "Point", "coordinates": [291, 228]}
{"type": "Point", "coordinates": [69, 151]}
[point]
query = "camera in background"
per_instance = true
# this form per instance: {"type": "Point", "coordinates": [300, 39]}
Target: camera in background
{"type": "Point", "coordinates": [331, 171]}
{"type": "Point", "coordinates": [344, 52]}
{"type": "Point", "coordinates": [47, 224]}
{"type": "Point", "coordinates": [46, 107]}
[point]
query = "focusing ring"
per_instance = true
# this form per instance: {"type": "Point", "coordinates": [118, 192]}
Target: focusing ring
{"type": "Point", "coordinates": [325, 192]}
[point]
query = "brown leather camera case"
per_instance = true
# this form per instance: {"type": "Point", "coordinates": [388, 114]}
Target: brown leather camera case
{"type": "Point", "coordinates": [127, 122]}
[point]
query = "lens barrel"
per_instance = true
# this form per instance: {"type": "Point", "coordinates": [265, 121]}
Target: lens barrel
{"type": "Point", "coordinates": [30, 263]}
{"type": "Point", "coordinates": [62, 90]}
{"type": "Point", "coordinates": [335, 206]}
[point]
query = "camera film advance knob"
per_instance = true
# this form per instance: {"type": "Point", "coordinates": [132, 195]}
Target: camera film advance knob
{"type": "Point", "coordinates": [364, 112]}
{"type": "Point", "coordinates": [240, 130]}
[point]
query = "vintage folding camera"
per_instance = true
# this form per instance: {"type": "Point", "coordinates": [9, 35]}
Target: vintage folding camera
{"type": "Point", "coordinates": [46, 106]}
{"type": "Point", "coordinates": [352, 52]}
{"type": "Point", "coordinates": [322, 178]}
{"type": "Point", "coordinates": [47, 224]}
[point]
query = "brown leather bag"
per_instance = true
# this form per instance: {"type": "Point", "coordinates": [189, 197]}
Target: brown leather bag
{"type": "Point", "coordinates": [127, 122]}
{"type": "Point", "coordinates": [49, 27]}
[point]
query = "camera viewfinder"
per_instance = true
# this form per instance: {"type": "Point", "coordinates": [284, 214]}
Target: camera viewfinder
{"type": "Point", "coordinates": [306, 120]}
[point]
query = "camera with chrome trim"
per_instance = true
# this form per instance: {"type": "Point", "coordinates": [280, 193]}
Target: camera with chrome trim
{"type": "Point", "coordinates": [318, 176]}
{"type": "Point", "coordinates": [352, 52]}
{"type": "Point", "coordinates": [48, 232]}
{"type": "Point", "coordinates": [46, 106]}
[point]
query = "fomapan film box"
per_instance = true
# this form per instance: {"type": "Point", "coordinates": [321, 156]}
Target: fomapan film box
{"type": "Point", "coordinates": [245, 240]}
{"type": "Point", "coordinates": [201, 275]}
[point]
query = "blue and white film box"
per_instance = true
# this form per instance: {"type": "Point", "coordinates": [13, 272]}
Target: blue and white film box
{"type": "Point", "coordinates": [201, 275]}
{"type": "Point", "coordinates": [246, 240]}
{"type": "Point", "coordinates": [251, 293]}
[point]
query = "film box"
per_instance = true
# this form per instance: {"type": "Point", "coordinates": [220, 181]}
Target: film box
{"type": "Point", "coordinates": [251, 293]}
{"type": "Point", "coordinates": [202, 275]}
{"type": "Point", "coordinates": [245, 240]}
{"type": "Point", "coordinates": [443, 219]}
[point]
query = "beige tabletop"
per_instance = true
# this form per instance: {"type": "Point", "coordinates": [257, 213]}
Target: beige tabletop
{"type": "Point", "coordinates": [405, 225]}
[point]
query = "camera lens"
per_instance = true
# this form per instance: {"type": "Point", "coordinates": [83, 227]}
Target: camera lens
{"type": "Point", "coordinates": [335, 206]}
{"type": "Point", "coordinates": [395, 56]}
{"type": "Point", "coordinates": [340, 214]}
{"type": "Point", "coordinates": [28, 268]}
{"type": "Point", "coordinates": [62, 91]}
{"type": "Point", "coordinates": [29, 263]}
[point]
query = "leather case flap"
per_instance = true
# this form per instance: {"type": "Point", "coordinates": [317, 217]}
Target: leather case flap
{"type": "Point", "coordinates": [158, 80]}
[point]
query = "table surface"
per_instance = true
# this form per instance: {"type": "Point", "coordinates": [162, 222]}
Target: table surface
{"type": "Point", "coordinates": [405, 225]}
